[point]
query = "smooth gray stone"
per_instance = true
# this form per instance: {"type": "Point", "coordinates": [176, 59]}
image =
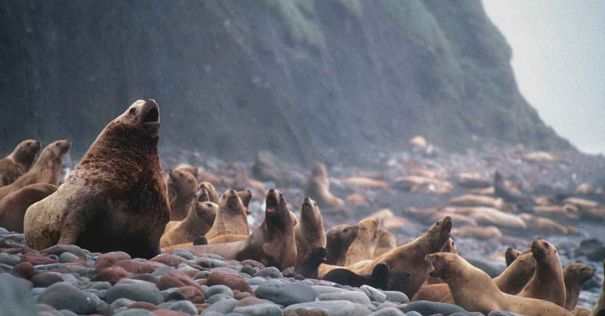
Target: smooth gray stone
{"type": "Point", "coordinates": [134, 312]}
{"type": "Point", "coordinates": [15, 298]}
{"type": "Point", "coordinates": [429, 308]}
{"type": "Point", "coordinates": [284, 293]}
{"type": "Point", "coordinates": [334, 308]}
{"type": "Point", "coordinates": [352, 296]}
{"type": "Point", "coordinates": [223, 306]}
{"type": "Point", "coordinates": [180, 306]}
{"type": "Point", "coordinates": [396, 297]}
{"type": "Point", "coordinates": [66, 296]}
{"type": "Point", "coordinates": [216, 289]}
{"type": "Point", "coordinates": [373, 294]}
{"type": "Point", "coordinates": [389, 311]}
{"type": "Point", "coordinates": [267, 309]}
{"type": "Point", "coordinates": [135, 290]}
{"type": "Point", "coordinates": [269, 272]}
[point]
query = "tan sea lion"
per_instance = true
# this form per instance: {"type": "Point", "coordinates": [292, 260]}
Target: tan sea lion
{"type": "Point", "coordinates": [197, 223]}
{"type": "Point", "coordinates": [338, 241]}
{"type": "Point", "coordinates": [547, 283]}
{"type": "Point", "coordinates": [309, 231]}
{"type": "Point", "coordinates": [14, 205]}
{"type": "Point", "coordinates": [362, 248]}
{"type": "Point", "coordinates": [478, 232]}
{"type": "Point", "coordinates": [189, 169]}
{"type": "Point", "coordinates": [47, 168]}
{"type": "Point", "coordinates": [476, 200]}
{"type": "Point", "coordinates": [385, 241]}
{"type": "Point", "coordinates": [231, 218]}
{"type": "Point", "coordinates": [599, 308]}
{"type": "Point", "coordinates": [182, 187]}
{"type": "Point", "coordinates": [475, 291]}
{"type": "Point", "coordinates": [510, 255]}
{"type": "Point", "coordinates": [272, 243]}
{"type": "Point", "coordinates": [116, 197]}
{"type": "Point", "coordinates": [318, 188]}
{"type": "Point", "coordinates": [409, 258]}
{"type": "Point", "coordinates": [575, 274]}
{"type": "Point", "coordinates": [543, 225]}
{"type": "Point", "coordinates": [207, 193]}
{"type": "Point", "coordinates": [18, 162]}
{"type": "Point", "coordinates": [227, 238]}
{"type": "Point", "coordinates": [562, 212]}
{"type": "Point", "coordinates": [364, 182]}
{"type": "Point", "coordinates": [490, 216]}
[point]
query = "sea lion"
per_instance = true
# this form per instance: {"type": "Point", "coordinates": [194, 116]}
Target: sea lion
{"type": "Point", "coordinates": [272, 243]}
{"type": "Point", "coordinates": [14, 205]}
{"type": "Point", "coordinates": [318, 188]}
{"type": "Point", "coordinates": [338, 240]}
{"type": "Point", "coordinates": [182, 187]}
{"type": "Point", "coordinates": [231, 218]}
{"type": "Point", "coordinates": [510, 255]}
{"type": "Point", "coordinates": [476, 200]}
{"type": "Point", "coordinates": [188, 168]}
{"type": "Point", "coordinates": [207, 193]}
{"type": "Point", "coordinates": [547, 283]}
{"type": "Point", "coordinates": [226, 238]}
{"type": "Point", "coordinates": [547, 226]}
{"type": "Point", "coordinates": [309, 265]}
{"type": "Point", "coordinates": [599, 308]}
{"type": "Point", "coordinates": [385, 241]}
{"type": "Point", "coordinates": [364, 183]}
{"type": "Point", "coordinates": [378, 279]}
{"type": "Point", "coordinates": [472, 180]}
{"type": "Point", "coordinates": [47, 168]}
{"type": "Point", "coordinates": [409, 258]}
{"type": "Point", "coordinates": [490, 216]}
{"type": "Point", "coordinates": [478, 232]}
{"type": "Point", "coordinates": [18, 162]}
{"type": "Point", "coordinates": [197, 223]}
{"type": "Point", "coordinates": [559, 212]}
{"type": "Point", "coordinates": [309, 231]}
{"type": "Point", "coordinates": [509, 193]}
{"type": "Point", "coordinates": [116, 197]}
{"type": "Point", "coordinates": [512, 280]}
{"type": "Point", "coordinates": [475, 291]}
{"type": "Point", "coordinates": [362, 248]}
{"type": "Point", "coordinates": [575, 274]}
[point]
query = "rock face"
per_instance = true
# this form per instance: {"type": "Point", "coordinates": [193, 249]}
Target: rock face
{"type": "Point", "coordinates": [312, 72]}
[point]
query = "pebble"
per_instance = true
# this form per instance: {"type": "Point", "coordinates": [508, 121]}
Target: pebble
{"type": "Point", "coordinates": [68, 257]}
{"type": "Point", "coordinates": [57, 250]}
{"type": "Point", "coordinates": [235, 282]}
{"type": "Point", "coordinates": [9, 259]}
{"type": "Point", "coordinates": [135, 290]}
{"type": "Point", "coordinates": [334, 308]}
{"type": "Point", "coordinates": [15, 297]}
{"type": "Point", "coordinates": [222, 306]}
{"type": "Point", "coordinates": [66, 296]}
{"type": "Point", "coordinates": [270, 272]}
{"type": "Point", "coordinates": [216, 289]}
{"type": "Point", "coordinates": [396, 297]}
{"type": "Point", "coordinates": [373, 294]}
{"type": "Point", "coordinates": [185, 254]}
{"type": "Point", "coordinates": [134, 312]}
{"type": "Point", "coordinates": [267, 309]}
{"type": "Point", "coordinates": [429, 308]}
{"type": "Point", "coordinates": [46, 279]}
{"type": "Point", "coordinates": [501, 313]}
{"type": "Point", "coordinates": [352, 296]}
{"type": "Point", "coordinates": [285, 293]}
{"type": "Point", "coordinates": [389, 311]}
{"type": "Point", "coordinates": [217, 297]}
{"type": "Point", "coordinates": [180, 306]}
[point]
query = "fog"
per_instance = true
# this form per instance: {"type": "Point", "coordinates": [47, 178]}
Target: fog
{"type": "Point", "coordinates": [558, 48]}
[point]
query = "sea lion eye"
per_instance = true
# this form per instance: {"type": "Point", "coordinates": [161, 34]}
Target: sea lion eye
{"type": "Point", "coordinates": [132, 111]}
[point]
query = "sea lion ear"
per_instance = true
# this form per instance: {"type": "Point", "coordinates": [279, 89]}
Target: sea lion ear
{"type": "Point", "coordinates": [245, 196]}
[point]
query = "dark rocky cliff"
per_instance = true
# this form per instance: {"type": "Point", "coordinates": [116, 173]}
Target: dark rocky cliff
{"type": "Point", "coordinates": [300, 78]}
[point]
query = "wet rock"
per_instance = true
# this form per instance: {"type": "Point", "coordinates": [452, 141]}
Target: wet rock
{"type": "Point", "coordinates": [15, 298]}
{"type": "Point", "coordinates": [9, 259]}
{"type": "Point", "coordinates": [68, 257]}
{"type": "Point", "coordinates": [217, 297]}
{"type": "Point", "coordinates": [218, 289]}
{"type": "Point", "coordinates": [108, 259]}
{"type": "Point", "coordinates": [191, 293]}
{"type": "Point", "coordinates": [173, 279]}
{"type": "Point", "coordinates": [351, 296]}
{"type": "Point", "coordinates": [111, 275]}
{"type": "Point", "coordinates": [46, 279]}
{"type": "Point", "coordinates": [430, 308]}
{"type": "Point", "coordinates": [285, 293]}
{"type": "Point", "coordinates": [66, 296]}
{"type": "Point", "coordinates": [135, 290]}
{"type": "Point", "coordinates": [334, 308]}
{"type": "Point", "coordinates": [183, 253]}
{"type": "Point", "coordinates": [270, 272]}
{"type": "Point", "coordinates": [143, 305]}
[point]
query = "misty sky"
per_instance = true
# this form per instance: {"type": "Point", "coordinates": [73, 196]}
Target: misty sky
{"type": "Point", "coordinates": [559, 62]}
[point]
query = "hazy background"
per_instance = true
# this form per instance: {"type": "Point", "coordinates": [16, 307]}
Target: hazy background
{"type": "Point", "coordinates": [559, 62]}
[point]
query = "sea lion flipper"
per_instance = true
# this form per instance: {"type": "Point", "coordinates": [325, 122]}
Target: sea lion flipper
{"type": "Point", "coordinates": [76, 221]}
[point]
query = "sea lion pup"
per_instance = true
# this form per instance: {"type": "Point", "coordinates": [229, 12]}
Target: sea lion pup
{"type": "Point", "coordinates": [47, 168]}
{"type": "Point", "coordinates": [385, 241]}
{"type": "Point", "coordinates": [511, 281]}
{"type": "Point", "coordinates": [378, 279]}
{"type": "Point", "coordinates": [475, 291]}
{"type": "Point", "coordinates": [318, 188]}
{"type": "Point", "coordinates": [231, 217]}
{"type": "Point", "coordinates": [547, 283]}
{"type": "Point", "coordinates": [207, 193]}
{"type": "Point", "coordinates": [362, 248]}
{"type": "Point", "coordinates": [510, 255]}
{"type": "Point", "coordinates": [189, 169]}
{"type": "Point", "coordinates": [196, 224]}
{"type": "Point", "coordinates": [116, 197]}
{"type": "Point", "coordinates": [309, 265]}
{"type": "Point", "coordinates": [272, 243]}
{"type": "Point", "coordinates": [575, 274]}
{"type": "Point", "coordinates": [182, 188]}
{"type": "Point", "coordinates": [18, 162]}
{"type": "Point", "coordinates": [338, 240]}
{"type": "Point", "coordinates": [309, 231]}
{"type": "Point", "coordinates": [14, 205]}
{"type": "Point", "coordinates": [599, 308]}
{"type": "Point", "coordinates": [409, 258]}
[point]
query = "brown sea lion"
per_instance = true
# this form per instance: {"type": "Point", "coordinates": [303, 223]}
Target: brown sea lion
{"type": "Point", "coordinates": [362, 248]}
{"type": "Point", "coordinates": [197, 223]}
{"type": "Point", "coordinates": [207, 193]}
{"type": "Point", "coordinates": [541, 225]}
{"type": "Point", "coordinates": [310, 263]}
{"type": "Point", "coordinates": [47, 168]}
{"type": "Point", "coordinates": [231, 218]}
{"type": "Point", "coordinates": [14, 205]}
{"type": "Point", "coordinates": [378, 279]}
{"type": "Point", "coordinates": [18, 162]}
{"type": "Point", "coordinates": [599, 308]}
{"type": "Point", "coordinates": [309, 231]}
{"type": "Point", "coordinates": [575, 274]}
{"type": "Point", "coordinates": [475, 291]}
{"type": "Point", "coordinates": [409, 258]}
{"type": "Point", "coordinates": [227, 238]}
{"type": "Point", "coordinates": [338, 241]}
{"type": "Point", "coordinates": [116, 197]}
{"type": "Point", "coordinates": [272, 243]}
{"type": "Point", "coordinates": [547, 283]}
{"type": "Point", "coordinates": [478, 232]}
{"type": "Point", "coordinates": [510, 255]}
{"type": "Point", "coordinates": [476, 200]}
{"type": "Point", "coordinates": [507, 192]}
{"type": "Point", "coordinates": [318, 188]}
{"type": "Point", "coordinates": [385, 241]}
{"type": "Point", "coordinates": [189, 169]}
{"type": "Point", "coordinates": [182, 188]}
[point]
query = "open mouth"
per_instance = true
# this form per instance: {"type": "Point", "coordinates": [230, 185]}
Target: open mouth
{"type": "Point", "coordinates": [272, 204]}
{"type": "Point", "coordinates": [152, 115]}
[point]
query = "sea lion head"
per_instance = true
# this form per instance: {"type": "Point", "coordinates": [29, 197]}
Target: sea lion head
{"type": "Point", "coordinates": [342, 234]}
{"type": "Point", "coordinates": [449, 246]}
{"type": "Point", "coordinates": [309, 211]}
{"type": "Point", "coordinates": [231, 203]}
{"type": "Point", "coordinates": [139, 123]}
{"type": "Point", "coordinates": [246, 196]}
{"type": "Point", "coordinates": [206, 211]}
{"type": "Point", "coordinates": [182, 182]}
{"type": "Point", "coordinates": [188, 168]}
{"type": "Point", "coordinates": [443, 264]}
{"type": "Point", "coordinates": [55, 151]}
{"type": "Point", "coordinates": [439, 234]}
{"type": "Point", "coordinates": [316, 255]}
{"type": "Point", "coordinates": [511, 255]}
{"type": "Point", "coordinates": [381, 271]}
{"type": "Point", "coordinates": [368, 228]}
{"type": "Point", "coordinates": [579, 271]}
{"type": "Point", "coordinates": [26, 151]}
{"type": "Point", "coordinates": [207, 193]}
{"type": "Point", "coordinates": [277, 212]}
{"type": "Point", "coordinates": [319, 169]}
{"type": "Point", "coordinates": [542, 249]}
